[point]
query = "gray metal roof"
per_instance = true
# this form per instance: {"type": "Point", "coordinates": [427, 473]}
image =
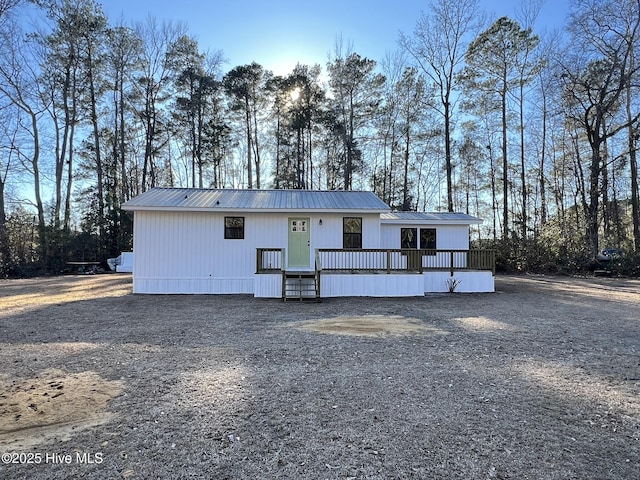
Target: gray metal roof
{"type": "Point", "coordinates": [428, 217]}
{"type": "Point", "coordinates": [192, 199]}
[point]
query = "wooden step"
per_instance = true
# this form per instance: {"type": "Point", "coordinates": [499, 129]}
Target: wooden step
{"type": "Point", "coordinates": [300, 285]}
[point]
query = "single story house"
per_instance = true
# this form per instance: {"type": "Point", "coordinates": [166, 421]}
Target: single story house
{"type": "Point", "coordinates": [299, 243]}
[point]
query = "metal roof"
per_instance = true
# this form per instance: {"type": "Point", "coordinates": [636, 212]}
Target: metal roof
{"type": "Point", "coordinates": [193, 199]}
{"type": "Point", "coordinates": [428, 217]}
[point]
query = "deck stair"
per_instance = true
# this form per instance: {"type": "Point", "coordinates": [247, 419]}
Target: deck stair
{"type": "Point", "coordinates": [300, 285]}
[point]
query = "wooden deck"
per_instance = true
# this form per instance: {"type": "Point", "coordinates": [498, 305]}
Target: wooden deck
{"type": "Point", "coordinates": [374, 272]}
{"type": "Point", "coordinates": [368, 261]}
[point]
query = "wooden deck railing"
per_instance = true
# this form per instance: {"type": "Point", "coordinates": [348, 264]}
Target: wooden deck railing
{"type": "Point", "coordinates": [405, 260]}
{"type": "Point", "coordinates": [269, 260]}
{"type": "Point", "coordinates": [383, 260]}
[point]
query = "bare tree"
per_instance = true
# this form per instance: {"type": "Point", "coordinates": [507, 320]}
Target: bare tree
{"type": "Point", "coordinates": [629, 10]}
{"type": "Point", "coordinates": [498, 63]}
{"type": "Point", "coordinates": [246, 86]}
{"type": "Point", "coordinates": [6, 150]}
{"type": "Point", "coordinates": [357, 93]}
{"type": "Point", "coordinates": [6, 6]}
{"type": "Point", "coordinates": [596, 77]}
{"type": "Point", "coordinates": [528, 67]}
{"type": "Point", "coordinates": [547, 88]}
{"type": "Point", "coordinates": [438, 46]}
{"type": "Point", "coordinates": [61, 79]}
{"type": "Point", "coordinates": [7, 142]}
{"type": "Point", "coordinates": [19, 85]}
{"type": "Point", "coordinates": [151, 86]}
{"type": "Point", "coordinates": [386, 179]}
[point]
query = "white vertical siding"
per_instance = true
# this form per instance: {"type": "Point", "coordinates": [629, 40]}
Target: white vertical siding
{"type": "Point", "coordinates": [389, 236]}
{"type": "Point", "coordinates": [470, 282]}
{"type": "Point", "coordinates": [448, 237]}
{"type": "Point", "coordinates": [186, 252]}
{"type": "Point", "coordinates": [363, 285]}
{"type": "Point", "coordinates": [382, 285]}
{"type": "Point", "coordinates": [453, 237]}
{"type": "Point", "coordinates": [329, 234]}
{"type": "Point", "coordinates": [268, 285]}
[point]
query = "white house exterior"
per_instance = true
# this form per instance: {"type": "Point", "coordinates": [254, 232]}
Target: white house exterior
{"type": "Point", "coordinates": [247, 241]}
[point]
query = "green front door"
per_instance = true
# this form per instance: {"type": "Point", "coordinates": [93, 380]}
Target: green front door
{"type": "Point", "coordinates": [299, 242]}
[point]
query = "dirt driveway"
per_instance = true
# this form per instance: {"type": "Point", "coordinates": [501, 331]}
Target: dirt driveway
{"type": "Point", "coordinates": [540, 380]}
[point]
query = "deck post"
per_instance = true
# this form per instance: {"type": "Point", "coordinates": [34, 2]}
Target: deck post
{"type": "Point", "coordinates": [451, 262]}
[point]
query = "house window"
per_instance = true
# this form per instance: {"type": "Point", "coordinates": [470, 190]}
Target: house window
{"type": "Point", "coordinates": [428, 238]}
{"type": "Point", "coordinates": [408, 238]}
{"type": "Point", "coordinates": [299, 226]}
{"type": "Point", "coordinates": [234, 228]}
{"type": "Point", "coordinates": [352, 232]}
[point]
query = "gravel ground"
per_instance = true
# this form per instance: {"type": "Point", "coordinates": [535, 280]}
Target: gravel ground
{"type": "Point", "coordinates": [540, 380]}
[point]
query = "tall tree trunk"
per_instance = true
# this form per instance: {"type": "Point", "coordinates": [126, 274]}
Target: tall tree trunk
{"type": "Point", "coordinates": [93, 99]}
{"type": "Point", "coordinates": [192, 128]}
{"type": "Point", "coordinates": [494, 195]}
{"type": "Point", "coordinates": [523, 174]}
{"type": "Point", "coordinates": [505, 166]}
{"type": "Point", "coordinates": [309, 152]}
{"type": "Point", "coordinates": [604, 186]}
{"type": "Point", "coordinates": [5, 251]}
{"type": "Point", "coordinates": [447, 152]}
{"type": "Point", "coordinates": [299, 159]}
{"type": "Point", "coordinates": [124, 187]}
{"type": "Point", "coordinates": [73, 116]}
{"type": "Point", "coordinates": [247, 113]}
{"type": "Point", "coordinates": [61, 153]}
{"type": "Point", "coordinates": [256, 142]}
{"type": "Point", "coordinates": [543, 154]}
{"type": "Point", "coordinates": [633, 165]}
{"type": "Point", "coordinates": [201, 105]}
{"type": "Point", "coordinates": [67, 200]}
{"type": "Point", "coordinates": [277, 179]}
{"type": "Point", "coordinates": [114, 186]}
{"type": "Point", "coordinates": [635, 207]}
{"type": "Point", "coordinates": [392, 165]}
{"type": "Point", "coordinates": [594, 194]}
{"type": "Point", "coordinates": [35, 169]}
{"type": "Point", "coordinates": [150, 113]}
{"type": "Point", "coordinates": [405, 182]}
{"type": "Point", "coordinates": [348, 168]}
{"type": "Point", "coordinates": [33, 164]}
{"type": "Point", "coordinates": [580, 182]}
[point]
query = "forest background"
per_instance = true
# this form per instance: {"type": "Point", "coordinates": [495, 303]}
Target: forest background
{"type": "Point", "coordinates": [536, 133]}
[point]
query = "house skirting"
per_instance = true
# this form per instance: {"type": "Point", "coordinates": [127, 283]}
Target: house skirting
{"type": "Point", "coordinates": [202, 285]}
{"type": "Point", "coordinates": [468, 281]}
{"type": "Point", "coordinates": [267, 285]}
{"type": "Point", "coordinates": [383, 285]}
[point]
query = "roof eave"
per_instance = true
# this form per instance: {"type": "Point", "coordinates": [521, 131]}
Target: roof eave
{"type": "Point", "coordinates": [399, 221]}
{"type": "Point", "coordinates": [134, 208]}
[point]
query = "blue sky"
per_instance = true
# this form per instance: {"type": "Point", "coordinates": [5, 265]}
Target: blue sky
{"type": "Point", "coordinates": [279, 33]}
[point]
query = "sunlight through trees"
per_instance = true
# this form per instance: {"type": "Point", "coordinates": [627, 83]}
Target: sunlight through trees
{"type": "Point", "coordinates": [535, 132]}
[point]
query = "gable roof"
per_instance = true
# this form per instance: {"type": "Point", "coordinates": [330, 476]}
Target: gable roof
{"type": "Point", "coordinates": [416, 218]}
{"type": "Point", "coordinates": [230, 200]}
